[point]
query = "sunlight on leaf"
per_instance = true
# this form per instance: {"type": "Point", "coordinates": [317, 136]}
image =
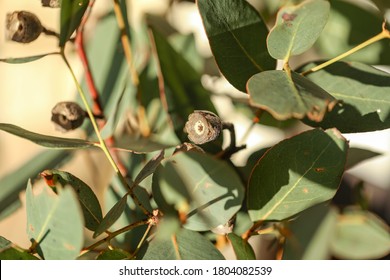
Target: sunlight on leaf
{"type": "Point", "coordinates": [296, 174]}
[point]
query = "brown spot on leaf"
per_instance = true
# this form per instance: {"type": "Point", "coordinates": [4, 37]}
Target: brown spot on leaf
{"type": "Point", "coordinates": [288, 17]}
{"type": "Point", "coordinates": [319, 169]}
{"type": "Point", "coordinates": [305, 190]}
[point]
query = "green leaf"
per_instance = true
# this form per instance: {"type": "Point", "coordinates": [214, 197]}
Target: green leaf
{"type": "Point", "coordinates": [111, 217]}
{"type": "Point", "coordinates": [149, 168]}
{"type": "Point", "coordinates": [15, 254]}
{"type": "Point", "coordinates": [360, 235]}
{"type": "Point", "coordinates": [115, 254]}
{"type": "Point", "coordinates": [241, 247]}
{"type": "Point", "coordinates": [363, 92]}
{"type": "Point", "coordinates": [237, 36]}
{"type": "Point", "coordinates": [310, 234]}
{"type": "Point", "coordinates": [72, 12]}
{"type": "Point", "coordinates": [15, 182]}
{"type": "Point", "coordinates": [288, 97]}
{"type": "Point", "coordinates": [19, 60]}
{"type": "Point", "coordinates": [88, 201]}
{"type": "Point", "coordinates": [357, 155]}
{"type": "Point", "coordinates": [207, 190]}
{"type": "Point", "coordinates": [185, 245]}
{"type": "Point", "coordinates": [296, 174]}
{"type": "Point", "coordinates": [55, 223]}
{"type": "Point", "coordinates": [183, 90]}
{"type": "Point", "coordinates": [46, 140]}
{"type": "Point", "coordinates": [354, 24]}
{"type": "Point", "coordinates": [297, 28]}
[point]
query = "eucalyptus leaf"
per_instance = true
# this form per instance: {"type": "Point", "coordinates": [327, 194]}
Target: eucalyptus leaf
{"type": "Point", "coordinates": [181, 247]}
{"type": "Point", "coordinates": [72, 12]}
{"type": "Point", "coordinates": [360, 235]}
{"type": "Point", "coordinates": [297, 28]}
{"type": "Point", "coordinates": [16, 254]}
{"type": "Point", "coordinates": [363, 92]}
{"type": "Point", "coordinates": [311, 233]}
{"type": "Point", "coordinates": [46, 140]}
{"type": "Point", "coordinates": [296, 174]}
{"type": "Point", "coordinates": [149, 168]}
{"type": "Point", "coordinates": [237, 36]}
{"type": "Point", "coordinates": [27, 59]}
{"type": "Point", "coordinates": [206, 190]}
{"type": "Point", "coordinates": [88, 201]}
{"type": "Point", "coordinates": [241, 247]}
{"type": "Point", "coordinates": [111, 217]}
{"type": "Point", "coordinates": [286, 96]}
{"type": "Point", "coordinates": [55, 223]}
{"type": "Point", "coordinates": [115, 254]}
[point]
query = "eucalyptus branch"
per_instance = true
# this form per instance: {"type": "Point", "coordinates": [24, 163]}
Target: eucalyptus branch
{"type": "Point", "coordinates": [383, 35]}
{"type": "Point", "coordinates": [232, 148]}
{"type": "Point", "coordinates": [102, 145]}
{"type": "Point", "coordinates": [141, 242]}
{"type": "Point", "coordinates": [116, 233]}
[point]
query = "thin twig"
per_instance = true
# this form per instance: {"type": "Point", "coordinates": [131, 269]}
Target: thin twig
{"type": "Point", "coordinates": [97, 108]}
{"type": "Point", "coordinates": [384, 34]}
{"type": "Point", "coordinates": [141, 242]}
{"type": "Point", "coordinates": [114, 234]}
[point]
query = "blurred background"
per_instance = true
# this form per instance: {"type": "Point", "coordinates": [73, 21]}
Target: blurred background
{"type": "Point", "coordinates": [29, 91]}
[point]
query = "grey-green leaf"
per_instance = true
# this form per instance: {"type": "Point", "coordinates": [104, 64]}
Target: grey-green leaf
{"type": "Point", "coordinates": [185, 245]}
{"type": "Point", "coordinates": [149, 168]}
{"type": "Point", "coordinates": [361, 235]}
{"type": "Point", "coordinates": [115, 254]}
{"type": "Point", "coordinates": [207, 190]}
{"type": "Point", "coordinates": [288, 97]}
{"type": "Point", "coordinates": [241, 247]}
{"type": "Point", "coordinates": [88, 201]}
{"type": "Point", "coordinates": [297, 28]}
{"type": "Point", "coordinates": [310, 234]}
{"type": "Point", "coordinates": [237, 36]}
{"type": "Point", "coordinates": [296, 174]}
{"type": "Point", "coordinates": [363, 92]}
{"type": "Point", "coordinates": [19, 60]}
{"type": "Point", "coordinates": [46, 140]}
{"type": "Point", "coordinates": [72, 12]}
{"type": "Point", "coordinates": [111, 217]}
{"type": "Point", "coordinates": [55, 223]}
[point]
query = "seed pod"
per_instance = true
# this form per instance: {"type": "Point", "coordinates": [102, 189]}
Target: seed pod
{"type": "Point", "coordinates": [67, 116]}
{"type": "Point", "coordinates": [203, 127]}
{"type": "Point", "coordinates": [23, 27]}
{"type": "Point", "coordinates": [51, 3]}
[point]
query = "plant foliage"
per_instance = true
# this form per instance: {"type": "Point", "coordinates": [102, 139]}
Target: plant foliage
{"type": "Point", "coordinates": [170, 199]}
